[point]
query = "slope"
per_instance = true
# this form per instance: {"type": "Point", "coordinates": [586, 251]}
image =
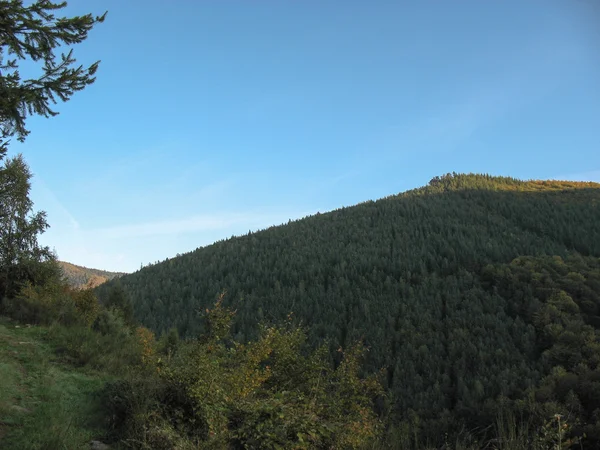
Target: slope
{"type": "Point", "coordinates": [44, 403]}
{"type": "Point", "coordinates": [416, 276]}
{"type": "Point", "coordinates": [80, 277]}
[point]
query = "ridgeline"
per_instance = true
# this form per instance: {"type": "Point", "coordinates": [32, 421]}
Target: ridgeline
{"type": "Point", "coordinates": [82, 277]}
{"type": "Point", "coordinates": [476, 295]}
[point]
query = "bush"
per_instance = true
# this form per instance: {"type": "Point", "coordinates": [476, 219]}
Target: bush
{"type": "Point", "coordinates": [115, 353]}
{"type": "Point", "coordinates": [269, 393]}
{"type": "Point", "coordinates": [111, 322]}
{"type": "Point", "coordinates": [133, 405]}
{"type": "Point", "coordinates": [53, 302]}
{"type": "Point", "coordinates": [45, 304]}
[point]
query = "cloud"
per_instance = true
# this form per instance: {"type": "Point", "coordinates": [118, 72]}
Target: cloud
{"type": "Point", "coordinates": [124, 247]}
{"type": "Point", "coordinates": [197, 223]}
{"type": "Point", "coordinates": [122, 237]}
{"type": "Point", "coordinates": [58, 213]}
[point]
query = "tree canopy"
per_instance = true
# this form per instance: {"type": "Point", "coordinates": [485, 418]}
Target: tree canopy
{"type": "Point", "coordinates": [22, 259]}
{"type": "Point", "coordinates": [469, 292]}
{"type": "Point", "coordinates": [32, 33]}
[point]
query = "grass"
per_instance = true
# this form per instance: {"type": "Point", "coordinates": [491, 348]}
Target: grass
{"type": "Point", "coordinates": [44, 403]}
{"type": "Point", "coordinates": [50, 378]}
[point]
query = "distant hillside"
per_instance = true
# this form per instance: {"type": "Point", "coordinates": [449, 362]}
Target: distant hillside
{"type": "Point", "coordinates": [474, 293]}
{"type": "Point", "coordinates": [80, 277]}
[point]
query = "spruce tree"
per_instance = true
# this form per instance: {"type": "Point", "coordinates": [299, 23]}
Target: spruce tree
{"type": "Point", "coordinates": [34, 33]}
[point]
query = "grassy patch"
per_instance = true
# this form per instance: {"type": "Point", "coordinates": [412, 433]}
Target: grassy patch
{"type": "Point", "coordinates": [44, 404]}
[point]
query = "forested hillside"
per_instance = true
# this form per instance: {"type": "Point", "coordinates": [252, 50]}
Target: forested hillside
{"type": "Point", "coordinates": [80, 277]}
{"type": "Point", "coordinates": [475, 294]}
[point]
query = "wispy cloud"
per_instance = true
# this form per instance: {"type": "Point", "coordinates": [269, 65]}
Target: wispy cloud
{"type": "Point", "coordinates": [181, 222]}
{"type": "Point", "coordinates": [193, 224]}
{"type": "Point", "coordinates": [123, 247]}
{"type": "Point", "coordinates": [45, 198]}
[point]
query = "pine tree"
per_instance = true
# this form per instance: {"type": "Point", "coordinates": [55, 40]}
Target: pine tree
{"type": "Point", "coordinates": [118, 299]}
{"type": "Point", "coordinates": [33, 33]}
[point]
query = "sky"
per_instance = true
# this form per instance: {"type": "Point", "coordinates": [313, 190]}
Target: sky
{"type": "Point", "coordinates": [213, 118]}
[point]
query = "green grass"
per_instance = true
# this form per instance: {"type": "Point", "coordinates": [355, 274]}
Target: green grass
{"type": "Point", "coordinates": [44, 403]}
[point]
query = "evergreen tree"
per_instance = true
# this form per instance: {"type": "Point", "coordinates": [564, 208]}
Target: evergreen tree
{"type": "Point", "coordinates": [467, 314]}
{"type": "Point", "coordinates": [118, 299]}
{"type": "Point", "coordinates": [33, 33]}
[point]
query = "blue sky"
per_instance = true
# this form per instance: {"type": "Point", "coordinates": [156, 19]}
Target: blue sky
{"type": "Point", "coordinates": [212, 118]}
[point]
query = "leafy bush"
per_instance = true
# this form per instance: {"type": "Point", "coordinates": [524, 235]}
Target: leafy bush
{"type": "Point", "coordinates": [43, 304]}
{"type": "Point", "coordinates": [269, 393]}
{"type": "Point", "coordinates": [115, 353]}
{"type": "Point", "coordinates": [111, 322]}
{"type": "Point", "coordinates": [53, 302]}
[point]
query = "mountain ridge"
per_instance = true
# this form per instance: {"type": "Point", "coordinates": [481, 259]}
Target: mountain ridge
{"type": "Point", "coordinates": [81, 277]}
{"type": "Point", "coordinates": [420, 278]}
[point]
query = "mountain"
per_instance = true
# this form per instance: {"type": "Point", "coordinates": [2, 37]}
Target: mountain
{"type": "Point", "coordinates": [80, 277]}
{"type": "Point", "coordinates": [475, 294]}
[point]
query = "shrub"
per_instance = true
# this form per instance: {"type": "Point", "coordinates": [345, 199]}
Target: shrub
{"type": "Point", "coordinates": [53, 302]}
{"type": "Point", "coordinates": [269, 393]}
{"type": "Point", "coordinates": [116, 352]}
{"type": "Point", "coordinates": [43, 304]}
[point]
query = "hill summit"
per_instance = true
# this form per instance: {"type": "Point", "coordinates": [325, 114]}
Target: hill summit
{"type": "Point", "coordinates": [474, 293]}
{"type": "Point", "coordinates": [81, 277]}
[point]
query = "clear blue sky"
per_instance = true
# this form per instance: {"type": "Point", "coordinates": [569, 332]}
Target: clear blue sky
{"type": "Point", "coordinates": [212, 118]}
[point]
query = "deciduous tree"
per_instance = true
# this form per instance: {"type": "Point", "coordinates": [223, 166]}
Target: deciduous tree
{"type": "Point", "coordinates": [22, 259]}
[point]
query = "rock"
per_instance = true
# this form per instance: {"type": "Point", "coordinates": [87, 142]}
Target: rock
{"type": "Point", "coordinates": [20, 409]}
{"type": "Point", "coordinates": [97, 445]}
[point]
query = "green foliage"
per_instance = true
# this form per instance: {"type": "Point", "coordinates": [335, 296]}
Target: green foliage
{"type": "Point", "coordinates": [34, 33]}
{"type": "Point", "coordinates": [54, 302]}
{"type": "Point", "coordinates": [22, 259]}
{"type": "Point", "coordinates": [83, 347]}
{"type": "Point", "coordinates": [424, 279]}
{"type": "Point", "coordinates": [44, 404]}
{"type": "Point", "coordinates": [559, 299]}
{"type": "Point", "coordinates": [86, 304]}
{"type": "Point", "coordinates": [171, 342]}
{"type": "Point", "coordinates": [43, 304]}
{"type": "Point", "coordinates": [31, 32]}
{"type": "Point", "coordinates": [276, 392]}
{"type": "Point", "coordinates": [111, 322]}
{"type": "Point", "coordinates": [119, 301]}
{"type": "Point", "coordinates": [85, 333]}
{"type": "Point", "coordinates": [128, 402]}
{"type": "Point", "coordinates": [482, 346]}
{"type": "Point", "coordinates": [269, 393]}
